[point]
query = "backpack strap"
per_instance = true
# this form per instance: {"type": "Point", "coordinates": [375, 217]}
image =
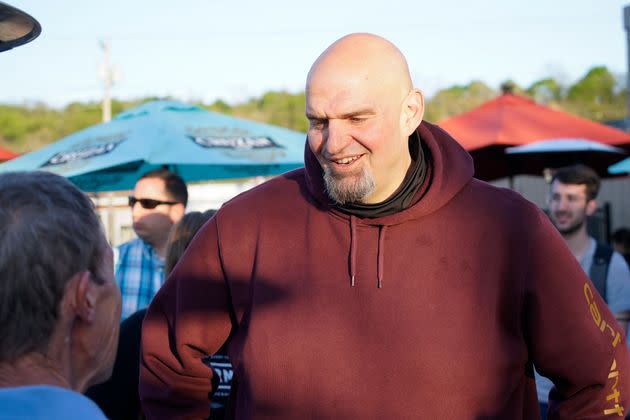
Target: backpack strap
{"type": "Point", "coordinates": [599, 268]}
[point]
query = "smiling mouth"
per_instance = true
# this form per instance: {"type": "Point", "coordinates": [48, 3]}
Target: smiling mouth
{"type": "Point", "coordinates": [346, 160]}
{"type": "Point", "coordinates": [561, 218]}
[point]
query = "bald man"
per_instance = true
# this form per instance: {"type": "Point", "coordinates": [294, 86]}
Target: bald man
{"type": "Point", "coordinates": [381, 281]}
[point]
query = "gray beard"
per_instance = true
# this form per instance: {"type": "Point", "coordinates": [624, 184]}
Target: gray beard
{"type": "Point", "coordinates": [345, 191]}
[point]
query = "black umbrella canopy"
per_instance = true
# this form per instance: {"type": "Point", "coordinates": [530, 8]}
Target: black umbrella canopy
{"type": "Point", "coordinates": [16, 27]}
{"type": "Point", "coordinates": [535, 158]}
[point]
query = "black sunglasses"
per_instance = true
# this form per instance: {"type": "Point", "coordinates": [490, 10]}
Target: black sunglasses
{"type": "Point", "coordinates": [148, 203]}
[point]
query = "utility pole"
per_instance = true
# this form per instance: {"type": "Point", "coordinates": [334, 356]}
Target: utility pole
{"type": "Point", "coordinates": [108, 75]}
{"type": "Point", "coordinates": [626, 24]}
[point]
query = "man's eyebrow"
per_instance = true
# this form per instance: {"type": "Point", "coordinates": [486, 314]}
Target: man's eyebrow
{"type": "Point", "coordinates": [357, 113]}
{"type": "Point", "coordinates": [352, 114]}
{"type": "Point", "coordinates": [313, 116]}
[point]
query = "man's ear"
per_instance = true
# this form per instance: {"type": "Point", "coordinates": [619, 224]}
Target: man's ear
{"type": "Point", "coordinates": [85, 297]}
{"type": "Point", "coordinates": [413, 111]}
{"type": "Point", "coordinates": [177, 212]}
{"type": "Point", "coordinates": [591, 207]}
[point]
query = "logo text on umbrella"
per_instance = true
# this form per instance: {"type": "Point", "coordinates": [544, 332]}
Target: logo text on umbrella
{"type": "Point", "coordinates": [235, 142]}
{"type": "Point", "coordinates": [83, 153]}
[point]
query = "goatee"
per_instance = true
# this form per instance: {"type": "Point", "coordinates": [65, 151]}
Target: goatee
{"type": "Point", "coordinates": [349, 188]}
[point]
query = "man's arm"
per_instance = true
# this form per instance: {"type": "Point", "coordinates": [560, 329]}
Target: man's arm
{"type": "Point", "coordinates": [574, 339]}
{"type": "Point", "coordinates": [188, 319]}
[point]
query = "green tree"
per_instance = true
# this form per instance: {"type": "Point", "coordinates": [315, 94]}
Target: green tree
{"type": "Point", "coordinates": [220, 106]}
{"type": "Point", "coordinates": [597, 96]}
{"type": "Point", "coordinates": [457, 99]}
{"type": "Point", "coordinates": [596, 87]}
{"type": "Point", "coordinates": [545, 91]}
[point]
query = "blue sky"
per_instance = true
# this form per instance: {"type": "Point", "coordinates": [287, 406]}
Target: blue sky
{"type": "Point", "coordinates": [209, 49]}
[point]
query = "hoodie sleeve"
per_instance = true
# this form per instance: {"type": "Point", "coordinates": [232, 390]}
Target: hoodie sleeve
{"type": "Point", "coordinates": [573, 338]}
{"type": "Point", "coordinates": [188, 319]}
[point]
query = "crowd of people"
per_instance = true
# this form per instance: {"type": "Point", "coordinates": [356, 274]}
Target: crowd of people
{"type": "Point", "coordinates": [382, 280]}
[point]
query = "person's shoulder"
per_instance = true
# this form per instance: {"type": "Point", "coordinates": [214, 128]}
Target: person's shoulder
{"type": "Point", "coordinates": [601, 250]}
{"type": "Point", "coordinates": [45, 401]}
{"type": "Point", "coordinates": [483, 187]}
{"type": "Point", "coordinates": [274, 192]}
{"type": "Point", "coordinates": [133, 247]}
{"type": "Point", "coordinates": [133, 243]}
{"type": "Point", "coordinates": [500, 198]}
{"type": "Point", "coordinates": [502, 210]}
{"type": "Point", "coordinates": [619, 265]}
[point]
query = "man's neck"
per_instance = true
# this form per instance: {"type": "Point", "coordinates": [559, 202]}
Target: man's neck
{"type": "Point", "coordinates": [159, 248]}
{"type": "Point", "coordinates": [577, 242]}
{"type": "Point", "coordinates": [32, 369]}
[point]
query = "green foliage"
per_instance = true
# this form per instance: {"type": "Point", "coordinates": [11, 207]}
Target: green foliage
{"type": "Point", "coordinates": [220, 106]}
{"type": "Point", "coordinates": [545, 91]}
{"type": "Point", "coordinates": [596, 87]}
{"type": "Point", "coordinates": [278, 108]}
{"type": "Point", "coordinates": [457, 99]}
{"type": "Point", "coordinates": [29, 127]}
{"type": "Point", "coordinates": [598, 95]}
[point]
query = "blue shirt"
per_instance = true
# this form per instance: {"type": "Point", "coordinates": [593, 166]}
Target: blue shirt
{"type": "Point", "coordinates": [46, 402]}
{"type": "Point", "coordinates": [139, 274]}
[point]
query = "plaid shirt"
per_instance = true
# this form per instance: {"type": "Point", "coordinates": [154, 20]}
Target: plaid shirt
{"type": "Point", "coordinates": [139, 273]}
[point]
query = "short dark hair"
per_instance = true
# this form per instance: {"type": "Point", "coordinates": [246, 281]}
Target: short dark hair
{"type": "Point", "coordinates": [173, 184]}
{"type": "Point", "coordinates": [579, 175]}
{"type": "Point", "coordinates": [49, 231]}
{"type": "Point", "coordinates": [181, 234]}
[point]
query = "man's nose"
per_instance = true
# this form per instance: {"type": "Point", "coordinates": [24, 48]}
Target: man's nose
{"type": "Point", "coordinates": [562, 204]}
{"type": "Point", "coordinates": [337, 137]}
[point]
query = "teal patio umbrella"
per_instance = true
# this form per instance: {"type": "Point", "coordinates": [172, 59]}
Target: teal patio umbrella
{"type": "Point", "coordinates": [622, 167]}
{"type": "Point", "coordinates": [195, 143]}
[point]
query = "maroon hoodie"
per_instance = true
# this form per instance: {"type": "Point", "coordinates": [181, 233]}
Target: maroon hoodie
{"type": "Point", "coordinates": [476, 286]}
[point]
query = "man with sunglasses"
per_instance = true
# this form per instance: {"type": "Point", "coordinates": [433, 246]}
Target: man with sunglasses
{"type": "Point", "coordinates": [158, 202]}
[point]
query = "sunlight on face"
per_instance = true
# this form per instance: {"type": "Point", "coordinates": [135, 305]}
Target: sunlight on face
{"type": "Point", "coordinates": [357, 93]}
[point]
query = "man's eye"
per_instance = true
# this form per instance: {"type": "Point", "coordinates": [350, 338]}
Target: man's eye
{"type": "Point", "coordinates": [357, 120]}
{"type": "Point", "coordinates": [317, 123]}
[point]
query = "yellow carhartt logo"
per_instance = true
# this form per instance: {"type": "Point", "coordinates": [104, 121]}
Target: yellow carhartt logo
{"type": "Point", "coordinates": [597, 317]}
{"type": "Point", "coordinates": [613, 375]}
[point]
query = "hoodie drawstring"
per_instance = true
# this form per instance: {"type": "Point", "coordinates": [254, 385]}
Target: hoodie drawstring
{"type": "Point", "coordinates": [353, 249]}
{"type": "Point", "coordinates": [381, 251]}
{"type": "Point", "coordinates": [353, 252]}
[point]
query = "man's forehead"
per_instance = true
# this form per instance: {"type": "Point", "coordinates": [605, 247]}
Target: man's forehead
{"type": "Point", "coordinates": [574, 189]}
{"type": "Point", "coordinates": [150, 186]}
{"type": "Point", "coordinates": [357, 94]}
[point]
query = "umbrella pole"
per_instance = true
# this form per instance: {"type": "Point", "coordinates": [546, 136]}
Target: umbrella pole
{"type": "Point", "coordinates": [510, 176]}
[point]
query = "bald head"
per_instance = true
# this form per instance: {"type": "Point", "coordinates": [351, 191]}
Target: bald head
{"type": "Point", "coordinates": [362, 108]}
{"type": "Point", "coordinates": [364, 58]}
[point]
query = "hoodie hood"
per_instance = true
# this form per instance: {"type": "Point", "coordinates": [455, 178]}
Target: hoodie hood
{"type": "Point", "coordinates": [450, 169]}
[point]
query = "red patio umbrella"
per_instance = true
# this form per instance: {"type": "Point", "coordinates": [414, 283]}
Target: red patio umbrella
{"type": "Point", "coordinates": [512, 120]}
{"type": "Point", "coordinates": [7, 154]}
